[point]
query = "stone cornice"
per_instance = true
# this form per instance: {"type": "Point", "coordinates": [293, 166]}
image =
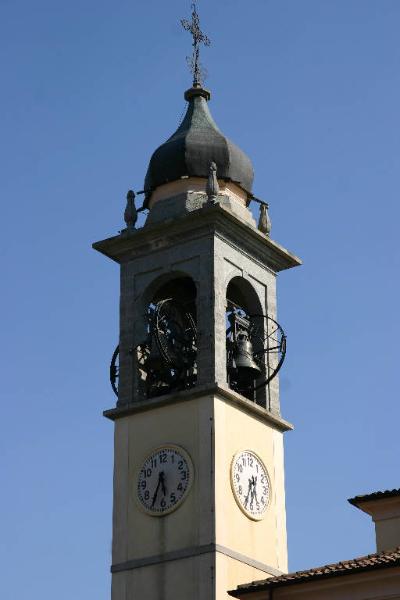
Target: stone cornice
{"type": "Point", "coordinates": [205, 221]}
{"type": "Point", "coordinates": [191, 552]}
{"type": "Point", "coordinates": [223, 393]}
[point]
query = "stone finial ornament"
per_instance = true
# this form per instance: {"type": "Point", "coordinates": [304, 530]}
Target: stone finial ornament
{"type": "Point", "coordinates": [264, 222]}
{"type": "Point", "coordinates": [130, 214]}
{"type": "Point", "coordinates": [212, 187]}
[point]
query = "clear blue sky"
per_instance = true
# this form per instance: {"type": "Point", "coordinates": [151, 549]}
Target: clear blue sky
{"type": "Point", "coordinates": [310, 90]}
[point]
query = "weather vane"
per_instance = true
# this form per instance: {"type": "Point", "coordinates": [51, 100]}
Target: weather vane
{"type": "Point", "coordinates": [199, 37]}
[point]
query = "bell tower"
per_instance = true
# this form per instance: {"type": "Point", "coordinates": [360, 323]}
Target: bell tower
{"type": "Point", "coordinates": [199, 501]}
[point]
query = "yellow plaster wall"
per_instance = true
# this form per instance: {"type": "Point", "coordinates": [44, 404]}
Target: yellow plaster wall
{"type": "Point", "coordinates": [187, 579]}
{"type": "Point", "coordinates": [383, 584]}
{"type": "Point", "coordinates": [196, 184]}
{"type": "Point", "coordinates": [265, 540]}
{"type": "Point", "coordinates": [211, 430]}
{"type": "Point", "coordinates": [135, 533]}
{"type": "Point", "coordinates": [387, 534]}
{"type": "Point", "coordinates": [231, 573]}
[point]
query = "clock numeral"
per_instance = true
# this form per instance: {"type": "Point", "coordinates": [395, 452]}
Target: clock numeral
{"type": "Point", "coordinates": [172, 497]}
{"type": "Point", "coordinates": [153, 463]}
{"type": "Point", "coordinates": [264, 490]}
{"type": "Point", "coordinates": [143, 484]}
{"type": "Point", "coordinates": [183, 475]}
{"type": "Point", "coordinates": [163, 504]}
{"type": "Point", "coordinates": [163, 457]}
{"type": "Point", "coordinates": [262, 478]}
{"type": "Point", "coordinates": [147, 472]}
{"type": "Point", "coordinates": [237, 477]}
{"type": "Point", "coordinates": [180, 465]}
{"type": "Point", "coordinates": [240, 490]}
{"type": "Point", "coordinates": [180, 487]}
{"type": "Point", "coordinates": [147, 495]}
{"type": "Point", "coordinates": [263, 499]}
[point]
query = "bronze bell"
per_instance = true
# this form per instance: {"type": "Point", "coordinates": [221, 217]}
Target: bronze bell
{"type": "Point", "coordinates": [243, 356]}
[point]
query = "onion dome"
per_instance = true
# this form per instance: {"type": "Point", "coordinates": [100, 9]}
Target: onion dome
{"type": "Point", "coordinates": [195, 144]}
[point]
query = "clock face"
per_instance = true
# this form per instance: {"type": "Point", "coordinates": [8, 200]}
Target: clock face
{"type": "Point", "coordinates": [164, 480]}
{"type": "Point", "coordinates": [250, 484]}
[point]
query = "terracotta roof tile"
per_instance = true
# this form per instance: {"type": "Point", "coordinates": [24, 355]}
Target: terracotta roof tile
{"type": "Point", "coordinates": [363, 563]}
{"type": "Point", "coordinates": [374, 496]}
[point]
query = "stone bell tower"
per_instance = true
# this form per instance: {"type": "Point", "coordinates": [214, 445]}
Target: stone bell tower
{"type": "Point", "coordinates": [199, 502]}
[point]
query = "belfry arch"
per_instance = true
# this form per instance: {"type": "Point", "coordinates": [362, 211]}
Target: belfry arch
{"type": "Point", "coordinates": [167, 355]}
{"type": "Point", "coordinates": [245, 328]}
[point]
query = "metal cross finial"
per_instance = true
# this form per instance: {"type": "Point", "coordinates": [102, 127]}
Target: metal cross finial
{"type": "Point", "coordinates": [199, 37]}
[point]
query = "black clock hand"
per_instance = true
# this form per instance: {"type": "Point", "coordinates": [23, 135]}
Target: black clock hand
{"type": "Point", "coordinates": [162, 480]}
{"type": "Point", "coordinates": [248, 494]}
{"type": "Point", "coordinates": [156, 492]}
{"type": "Point", "coordinates": [254, 494]}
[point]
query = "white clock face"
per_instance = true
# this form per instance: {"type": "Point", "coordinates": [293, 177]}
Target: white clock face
{"type": "Point", "coordinates": [164, 480]}
{"type": "Point", "coordinates": [250, 484]}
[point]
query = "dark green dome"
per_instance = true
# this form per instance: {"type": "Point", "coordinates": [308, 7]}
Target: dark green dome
{"type": "Point", "coordinates": [197, 142]}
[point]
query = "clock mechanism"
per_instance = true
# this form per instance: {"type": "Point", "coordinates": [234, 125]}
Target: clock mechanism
{"type": "Point", "coordinates": [166, 359]}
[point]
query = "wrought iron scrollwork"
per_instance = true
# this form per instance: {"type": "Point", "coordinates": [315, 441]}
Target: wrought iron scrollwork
{"type": "Point", "coordinates": [114, 371]}
{"type": "Point", "coordinates": [167, 358]}
{"type": "Point", "coordinates": [256, 349]}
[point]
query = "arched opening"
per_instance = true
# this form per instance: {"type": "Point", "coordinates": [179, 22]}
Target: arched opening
{"type": "Point", "coordinates": [167, 358]}
{"type": "Point", "coordinates": [182, 289]}
{"type": "Point", "coordinates": [245, 334]}
{"type": "Point", "coordinates": [255, 343]}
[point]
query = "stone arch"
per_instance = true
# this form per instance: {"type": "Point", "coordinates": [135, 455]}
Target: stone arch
{"type": "Point", "coordinates": [167, 354]}
{"type": "Point", "coordinates": [168, 284]}
{"type": "Point", "coordinates": [244, 309]}
{"type": "Point", "coordinates": [240, 291]}
{"type": "Point", "coordinates": [179, 284]}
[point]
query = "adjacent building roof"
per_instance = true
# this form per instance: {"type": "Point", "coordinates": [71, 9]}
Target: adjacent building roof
{"type": "Point", "coordinates": [196, 143]}
{"type": "Point", "coordinates": [374, 496]}
{"type": "Point", "coordinates": [347, 567]}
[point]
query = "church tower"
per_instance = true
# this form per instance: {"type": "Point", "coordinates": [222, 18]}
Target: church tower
{"type": "Point", "coordinates": [199, 501]}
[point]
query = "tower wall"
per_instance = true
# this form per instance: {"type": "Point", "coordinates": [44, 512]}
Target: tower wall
{"type": "Point", "coordinates": [208, 544]}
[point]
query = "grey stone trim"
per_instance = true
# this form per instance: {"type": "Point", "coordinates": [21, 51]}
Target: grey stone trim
{"type": "Point", "coordinates": [161, 558]}
{"type": "Point", "coordinates": [216, 217]}
{"type": "Point", "coordinates": [190, 553]}
{"type": "Point", "coordinates": [177, 206]}
{"type": "Point", "coordinates": [243, 251]}
{"type": "Point", "coordinates": [224, 393]}
{"type": "Point", "coordinates": [247, 560]}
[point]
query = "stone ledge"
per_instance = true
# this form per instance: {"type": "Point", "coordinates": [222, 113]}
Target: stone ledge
{"type": "Point", "coordinates": [225, 394]}
{"type": "Point", "coordinates": [192, 552]}
{"type": "Point", "coordinates": [206, 220]}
